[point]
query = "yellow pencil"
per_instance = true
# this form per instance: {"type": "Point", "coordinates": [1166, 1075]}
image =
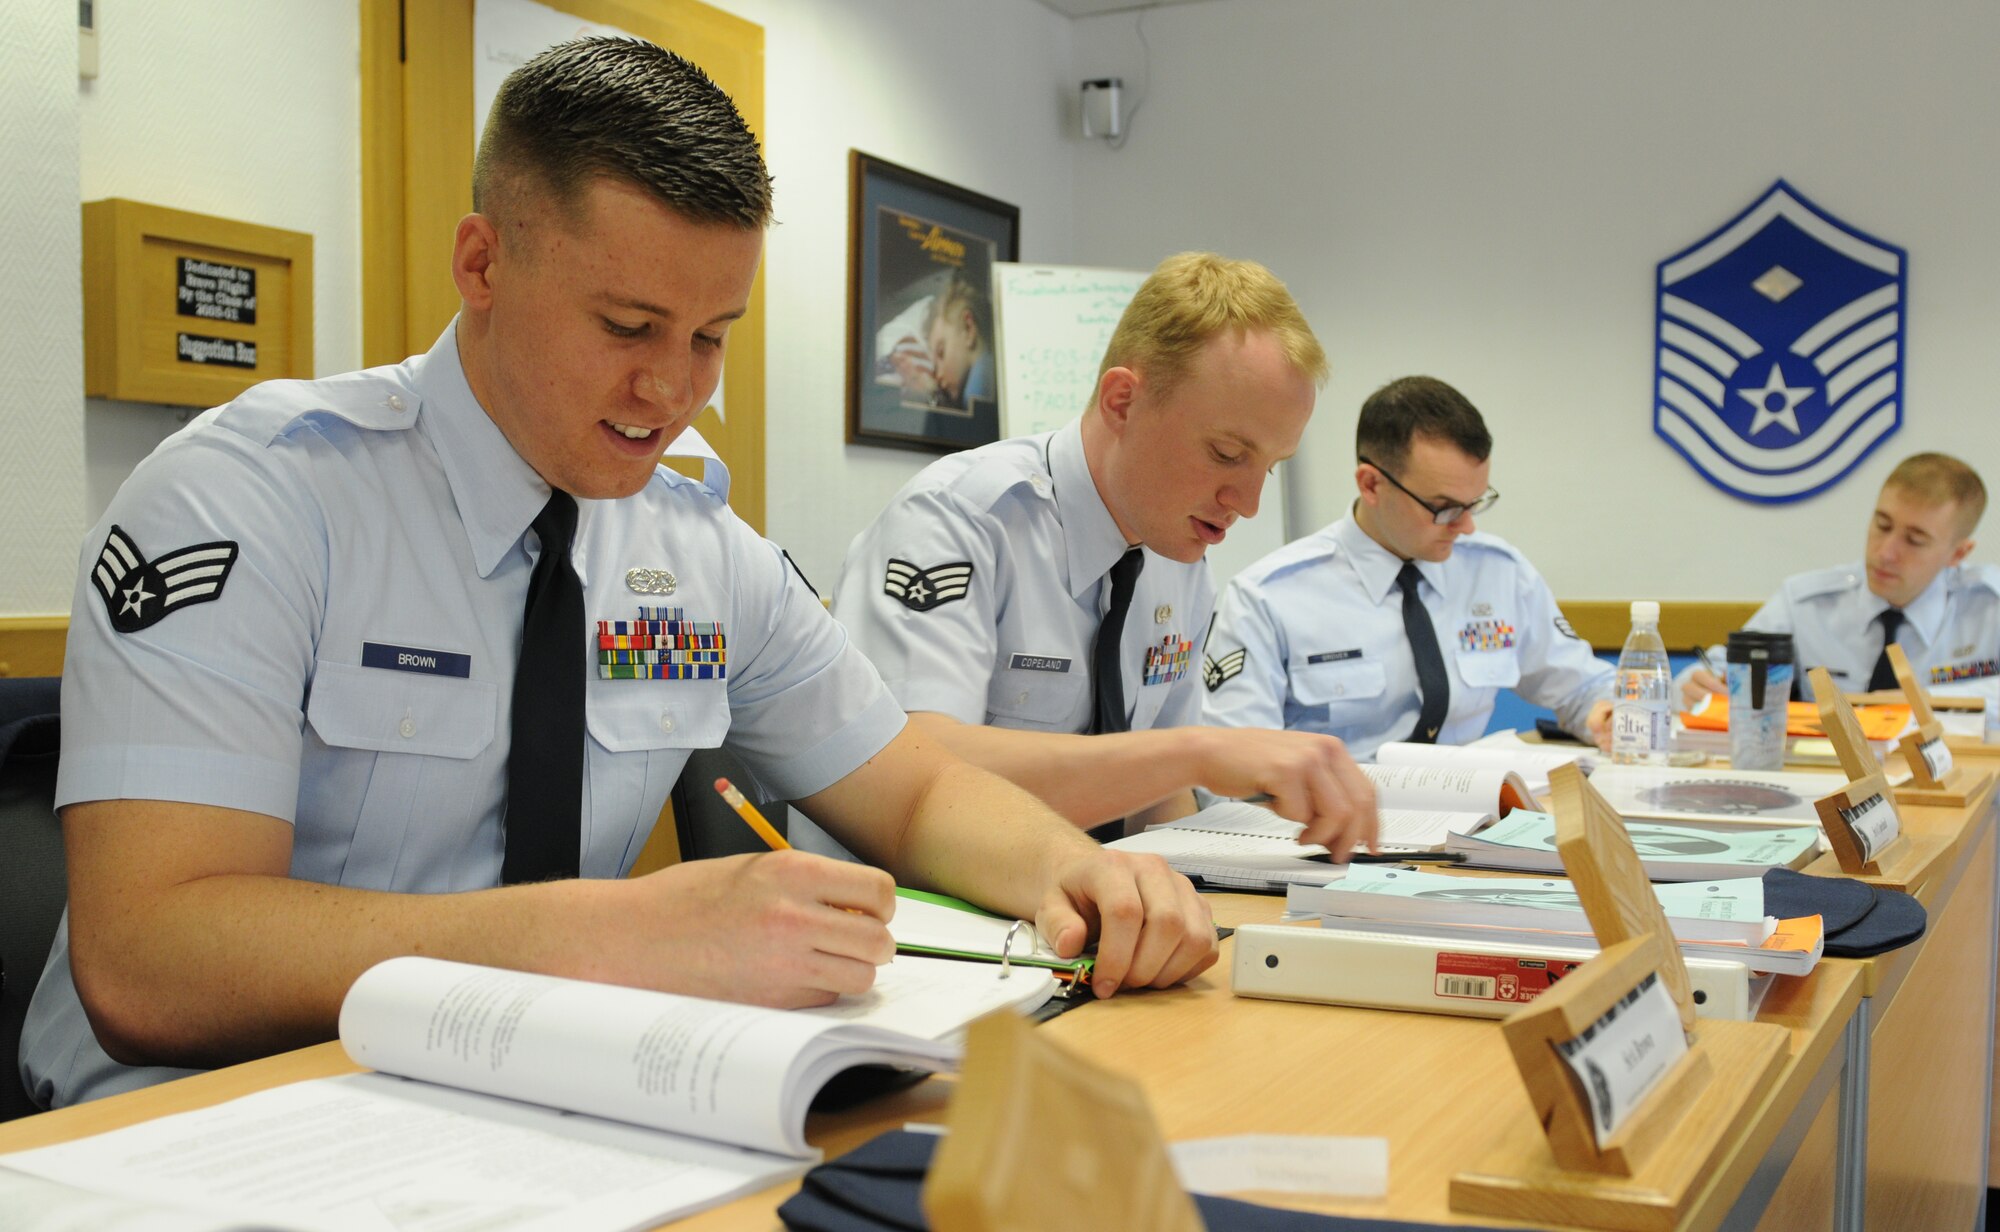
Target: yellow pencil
{"type": "Point", "coordinates": [748, 812]}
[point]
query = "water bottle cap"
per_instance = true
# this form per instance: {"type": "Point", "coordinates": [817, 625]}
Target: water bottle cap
{"type": "Point", "coordinates": [1645, 611]}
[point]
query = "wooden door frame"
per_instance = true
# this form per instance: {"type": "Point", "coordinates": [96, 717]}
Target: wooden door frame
{"type": "Point", "coordinates": [416, 183]}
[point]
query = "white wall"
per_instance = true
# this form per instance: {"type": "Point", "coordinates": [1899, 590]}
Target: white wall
{"type": "Point", "coordinates": [247, 109]}
{"type": "Point", "coordinates": [1482, 192]}
{"type": "Point", "coordinates": [1476, 190]}
{"type": "Point", "coordinates": [41, 308]}
{"type": "Point", "coordinates": [970, 91]}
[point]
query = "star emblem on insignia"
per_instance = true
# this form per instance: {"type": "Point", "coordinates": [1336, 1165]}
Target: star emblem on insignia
{"type": "Point", "coordinates": [1776, 402]}
{"type": "Point", "coordinates": [921, 590]}
{"type": "Point", "coordinates": [1217, 672]}
{"type": "Point", "coordinates": [129, 584]}
{"type": "Point", "coordinates": [135, 599]}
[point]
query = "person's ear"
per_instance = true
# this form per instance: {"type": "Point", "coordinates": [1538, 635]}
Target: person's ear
{"type": "Point", "coordinates": [1963, 550]}
{"type": "Point", "coordinates": [474, 249]}
{"type": "Point", "coordinates": [1368, 482]}
{"type": "Point", "coordinates": [1117, 390]}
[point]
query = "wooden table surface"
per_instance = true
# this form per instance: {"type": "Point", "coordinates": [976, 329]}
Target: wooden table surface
{"type": "Point", "coordinates": [1441, 1089]}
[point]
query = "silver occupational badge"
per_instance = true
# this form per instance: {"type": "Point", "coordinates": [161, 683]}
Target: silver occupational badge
{"type": "Point", "coordinates": [651, 581]}
{"type": "Point", "coordinates": [1482, 609]}
{"type": "Point", "coordinates": [1162, 614]}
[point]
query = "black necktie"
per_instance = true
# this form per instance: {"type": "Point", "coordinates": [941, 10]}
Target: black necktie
{"type": "Point", "coordinates": [1884, 675]}
{"type": "Point", "coordinates": [1432, 685]}
{"type": "Point", "coordinates": [545, 761]}
{"type": "Point", "coordinates": [1107, 676]}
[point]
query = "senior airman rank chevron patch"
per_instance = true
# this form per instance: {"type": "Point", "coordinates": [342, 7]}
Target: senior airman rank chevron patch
{"type": "Point", "coordinates": [139, 593]}
{"type": "Point", "coordinates": [1215, 672]}
{"type": "Point", "coordinates": [920, 590]}
{"type": "Point", "coordinates": [662, 644]}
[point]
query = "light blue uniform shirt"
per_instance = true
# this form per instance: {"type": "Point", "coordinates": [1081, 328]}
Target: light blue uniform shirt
{"type": "Point", "coordinates": [1311, 638]}
{"type": "Point", "coordinates": [1951, 631]}
{"type": "Point", "coordinates": [383, 509]}
{"type": "Point", "coordinates": [1009, 545]}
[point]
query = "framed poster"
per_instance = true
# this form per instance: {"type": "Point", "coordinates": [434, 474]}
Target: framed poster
{"type": "Point", "coordinates": [922, 372]}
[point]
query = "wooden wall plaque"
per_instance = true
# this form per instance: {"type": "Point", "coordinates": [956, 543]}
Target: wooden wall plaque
{"type": "Point", "coordinates": [188, 309]}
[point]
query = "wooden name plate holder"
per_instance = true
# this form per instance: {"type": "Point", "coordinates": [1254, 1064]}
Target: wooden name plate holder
{"type": "Point", "coordinates": [1041, 1139]}
{"type": "Point", "coordinates": [1933, 777]}
{"type": "Point", "coordinates": [1860, 819]}
{"type": "Point", "coordinates": [1622, 1012]}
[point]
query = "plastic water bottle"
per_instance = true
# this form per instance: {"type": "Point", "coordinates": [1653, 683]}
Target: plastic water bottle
{"type": "Point", "coordinates": [1642, 711]}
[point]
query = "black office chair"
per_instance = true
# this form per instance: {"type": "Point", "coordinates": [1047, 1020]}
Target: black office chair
{"type": "Point", "coordinates": [32, 885]}
{"type": "Point", "coordinates": [705, 825]}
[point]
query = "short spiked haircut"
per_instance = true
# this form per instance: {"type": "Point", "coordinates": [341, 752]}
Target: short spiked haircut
{"type": "Point", "coordinates": [621, 109]}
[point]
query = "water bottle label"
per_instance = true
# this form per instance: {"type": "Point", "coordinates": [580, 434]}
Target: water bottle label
{"type": "Point", "coordinates": [1640, 727]}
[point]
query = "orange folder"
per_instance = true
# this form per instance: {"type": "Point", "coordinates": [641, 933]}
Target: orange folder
{"type": "Point", "coordinates": [1802, 719]}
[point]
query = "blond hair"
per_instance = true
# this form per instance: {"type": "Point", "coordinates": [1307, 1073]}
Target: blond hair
{"type": "Point", "coordinates": [1193, 297]}
{"type": "Point", "coordinates": [1940, 479]}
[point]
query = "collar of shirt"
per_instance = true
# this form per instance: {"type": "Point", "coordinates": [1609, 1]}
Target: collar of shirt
{"type": "Point", "coordinates": [497, 492]}
{"type": "Point", "coordinates": [1090, 536]}
{"type": "Point", "coordinates": [1376, 565]}
{"type": "Point", "coordinates": [1925, 613]}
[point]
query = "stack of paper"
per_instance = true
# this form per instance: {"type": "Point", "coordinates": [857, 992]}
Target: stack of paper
{"type": "Point", "coordinates": [1669, 850]}
{"type": "Point", "coordinates": [1442, 908]}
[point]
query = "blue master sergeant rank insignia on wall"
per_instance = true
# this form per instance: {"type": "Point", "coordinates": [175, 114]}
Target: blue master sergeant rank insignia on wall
{"type": "Point", "coordinates": [1780, 349]}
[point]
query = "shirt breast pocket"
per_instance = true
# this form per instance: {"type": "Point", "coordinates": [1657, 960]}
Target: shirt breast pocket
{"type": "Point", "coordinates": [428, 736]}
{"type": "Point", "coordinates": [1489, 669]}
{"type": "Point", "coordinates": [641, 732]}
{"type": "Point", "coordinates": [1337, 683]}
{"type": "Point", "coordinates": [1031, 700]}
{"type": "Point", "coordinates": [401, 712]}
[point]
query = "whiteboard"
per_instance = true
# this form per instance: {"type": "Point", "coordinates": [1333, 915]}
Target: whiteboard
{"type": "Point", "coordinates": [1052, 323]}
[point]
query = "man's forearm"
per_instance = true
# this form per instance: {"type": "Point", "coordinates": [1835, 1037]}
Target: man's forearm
{"type": "Point", "coordinates": [234, 966]}
{"type": "Point", "coordinates": [975, 835]}
{"type": "Point", "coordinates": [1088, 779]}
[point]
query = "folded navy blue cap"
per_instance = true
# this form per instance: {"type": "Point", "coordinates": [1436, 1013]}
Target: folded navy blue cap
{"type": "Point", "coordinates": [878, 1187]}
{"type": "Point", "coordinates": [1861, 920]}
{"type": "Point", "coordinates": [1839, 902]}
{"type": "Point", "coordinates": [1896, 920]}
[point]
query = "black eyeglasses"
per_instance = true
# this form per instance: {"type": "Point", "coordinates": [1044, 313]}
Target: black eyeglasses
{"type": "Point", "coordinates": [1443, 515]}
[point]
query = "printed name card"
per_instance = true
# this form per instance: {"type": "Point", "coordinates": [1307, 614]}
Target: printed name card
{"type": "Point", "coordinates": [1937, 758]}
{"type": "Point", "coordinates": [1621, 1057]}
{"type": "Point", "coordinates": [1873, 822]}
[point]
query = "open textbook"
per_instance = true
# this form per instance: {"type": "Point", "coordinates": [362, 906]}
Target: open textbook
{"type": "Point", "coordinates": [1235, 843]}
{"type": "Point", "coordinates": [1501, 751]}
{"type": "Point", "coordinates": [527, 1103]}
{"type": "Point", "coordinates": [1525, 842]}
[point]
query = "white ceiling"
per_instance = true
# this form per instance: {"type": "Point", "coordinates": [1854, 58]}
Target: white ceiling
{"type": "Point", "coordinates": [1093, 8]}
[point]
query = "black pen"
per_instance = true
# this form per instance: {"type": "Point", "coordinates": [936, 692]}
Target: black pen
{"type": "Point", "coordinates": [1407, 857]}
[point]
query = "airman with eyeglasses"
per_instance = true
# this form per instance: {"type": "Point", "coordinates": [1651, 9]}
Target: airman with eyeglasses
{"type": "Point", "coordinates": [1320, 636]}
